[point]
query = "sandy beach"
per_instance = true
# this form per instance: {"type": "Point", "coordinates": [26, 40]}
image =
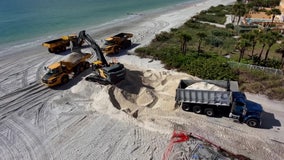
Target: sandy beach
{"type": "Point", "coordinates": [131, 120]}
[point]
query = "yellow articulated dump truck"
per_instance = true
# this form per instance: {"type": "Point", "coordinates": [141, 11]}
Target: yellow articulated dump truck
{"type": "Point", "coordinates": [61, 44]}
{"type": "Point", "coordinates": [114, 44]}
{"type": "Point", "coordinates": [61, 72]}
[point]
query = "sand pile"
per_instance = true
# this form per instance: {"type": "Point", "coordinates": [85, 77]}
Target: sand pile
{"type": "Point", "coordinates": [205, 86]}
{"type": "Point", "coordinates": [147, 89]}
{"type": "Point", "coordinates": [143, 92]}
{"type": "Point", "coordinates": [73, 57]}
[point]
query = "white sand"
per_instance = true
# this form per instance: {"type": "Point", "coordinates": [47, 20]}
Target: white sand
{"type": "Point", "coordinates": [132, 120]}
{"type": "Point", "coordinates": [205, 86]}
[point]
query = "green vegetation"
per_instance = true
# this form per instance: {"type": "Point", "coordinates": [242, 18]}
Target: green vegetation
{"type": "Point", "coordinates": [259, 82]}
{"type": "Point", "coordinates": [201, 49]}
{"type": "Point", "coordinates": [214, 14]}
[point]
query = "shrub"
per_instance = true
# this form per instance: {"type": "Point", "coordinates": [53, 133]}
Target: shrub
{"type": "Point", "coordinates": [222, 33]}
{"type": "Point", "coordinates": [230, 26]}
{"type": "Point", "coordinates": [214, 41]}
{"type": "Point", "coordinates": [162, 37]}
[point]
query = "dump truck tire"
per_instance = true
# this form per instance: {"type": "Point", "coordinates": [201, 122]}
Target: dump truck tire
{"type": "Point", "coordinates": [78, 69]}
{"type": "Point", "coordinates": [116, 50]}
{"type": "Point", "coordinates": [87, 65]}
{"type": "Point", "coordinates": [81, 68]}
{"type": "Point", "coordinates": [185, 107]}
{"type": "Point", "coordinates": [252, 122]}
{"type": "Point", "coordinates": [50, 50]}
{"type": "Point", "coordinates": [65, 79]}
{"type": "Point", "coordinates": [209, 112]}
{"type": "Point", "coordinates": [63, 49]}
{"type": "Point", "coordinates": [197, 109]}
{"type": "Point", "coordinates": [126, 44]}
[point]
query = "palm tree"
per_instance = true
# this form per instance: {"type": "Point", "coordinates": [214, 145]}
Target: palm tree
{"type": "Point", "coordinates": [273, 12]}
{"type": "Point", "coordinates": [184, 38]}
{"type": "Point", "coordinates": [201, 36]}
{"type": "Point", "coordinates": [281, 51]}
{"type": "Point", "coordinates": [272, 38]}
{"type": "Point", "coordinates": [282, 60]}
{"type": "Point", "coordinates": [239, 9]}
{"type": "Point", "coordinates": [242, 46]}
{"type": "Point", "coordinates": [262, 40]}
{"type": "Point", "coordinates": [252, 37]}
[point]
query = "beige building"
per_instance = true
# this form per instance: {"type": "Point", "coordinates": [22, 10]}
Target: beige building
{"type": "Point", "coordinates": [281, 6]}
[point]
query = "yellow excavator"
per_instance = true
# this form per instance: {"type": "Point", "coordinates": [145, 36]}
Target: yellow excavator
{"type": "Point", "coordinates": [103, 72]}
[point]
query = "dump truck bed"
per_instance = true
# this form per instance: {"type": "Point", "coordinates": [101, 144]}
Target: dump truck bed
{"type": "Point", "coordinates": [124, 35]}
{"type": "Point", "coordinates": [73, 58]}
{"type": "Point", "coordinates": [218, 93]}
{"type": "Point", "coordinates": [54, 43]}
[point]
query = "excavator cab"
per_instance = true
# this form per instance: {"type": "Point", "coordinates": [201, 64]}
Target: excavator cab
{"type": "Point", "coordinates": [104, 72]}
{"type": "Point", "coordinates": [97, 64]}
{"type": "Point", "coordinates": [108, 75]}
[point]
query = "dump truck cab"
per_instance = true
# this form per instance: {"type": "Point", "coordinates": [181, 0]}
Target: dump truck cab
{"type": "Point", "coordinates": [55, 75]}
{"type": "Point", "coordinates": [245, 110]}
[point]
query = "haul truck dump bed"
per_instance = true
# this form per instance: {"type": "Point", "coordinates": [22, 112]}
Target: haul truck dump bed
{"type": "Point", "coordinates": [203, 94]}
{"type": "Point", "coordinates": [60, 44]}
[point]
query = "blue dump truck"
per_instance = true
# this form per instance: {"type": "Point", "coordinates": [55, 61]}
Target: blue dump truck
{"type": "Point", "coordinates": [213, 97]}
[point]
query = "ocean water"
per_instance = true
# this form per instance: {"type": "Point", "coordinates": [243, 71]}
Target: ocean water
{"type": "Point", "coordinates": [27, 21]}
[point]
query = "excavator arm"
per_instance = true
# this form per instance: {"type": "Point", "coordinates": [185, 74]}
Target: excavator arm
{"type": "Point", "coordinates": [86, 37]}
{"type": "Point", "coordinates": [107, 74]}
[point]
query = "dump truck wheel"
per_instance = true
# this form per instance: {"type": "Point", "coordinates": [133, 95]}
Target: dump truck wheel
{"type": "Point", "coordinates": [127, 44]}
{"type": "Point", "coordinates": [87, 65]}
{"type": "Point", "coordinates": [57, 50]}
{"type": "Point", "coordinates": [63, 49]}
{"type": "Point", "coordinates": [197, 109]}
{"type": "Point", "coordinates": [78, 69]}
{"type": "Point", "coordinates": [185, 107]}
{"type": "Point", "coordinates": [252, 122]}
{"type": "Point", "coordinates": [50, 50]}
{"type": "Point", "coordinates": [116, 50]}
{"type": "Point", "coordinates": [81, 68]}
{"type": "Point", "coordinates": [65, 79]}
{"type": "Point", "coordinates": [209, 112]}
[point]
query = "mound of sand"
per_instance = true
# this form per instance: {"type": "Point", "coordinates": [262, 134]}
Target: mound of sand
{"type": "Point", "coordinates": [73, 57]}
{"type": "Point", "coordinates": [147, 89]}
{"type": "Point", "coordinates": [205, 86]}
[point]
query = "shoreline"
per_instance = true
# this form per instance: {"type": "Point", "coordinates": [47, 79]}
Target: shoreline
{"type": "Point", "coordinates": [103, 30]}
{"type": "Point", "coordinates": [94, 28]}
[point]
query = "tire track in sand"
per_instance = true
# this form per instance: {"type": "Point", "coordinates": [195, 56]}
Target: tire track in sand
{"type": "Point", "coordinates": [21, 141]}
{"type": "Point", "coordinates": [24, 99]}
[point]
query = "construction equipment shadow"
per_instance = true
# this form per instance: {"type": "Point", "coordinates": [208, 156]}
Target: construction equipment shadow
{"type": "Point", "coordinates": [133, 82]}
